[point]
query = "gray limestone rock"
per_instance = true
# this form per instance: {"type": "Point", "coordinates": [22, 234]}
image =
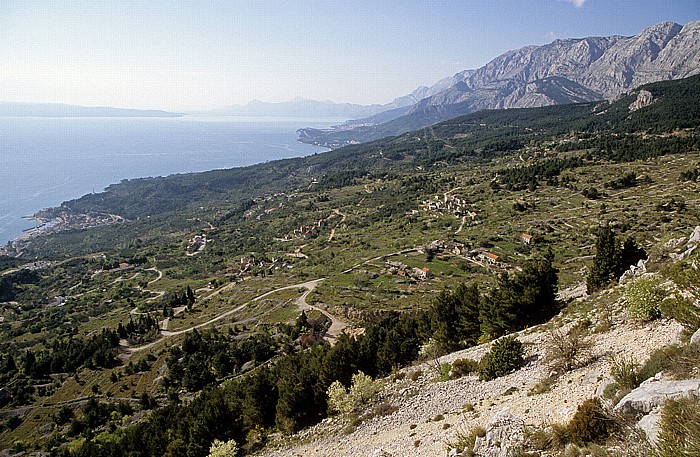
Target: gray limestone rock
{"type": "Point", "coordinates": [695, 236]}
{"type": "Point", "coordinates": [651, 425]}
{"type": "Point", "coordinates": [695, 339]}
{"type": "Point", "coordinates": [504, 436]}
{"type": "Point", "coordinates": [604, 384]}
{"type": "Point", "coordinates": [653, 394]}
{"type": "Point", "coordinates": [644, 98]}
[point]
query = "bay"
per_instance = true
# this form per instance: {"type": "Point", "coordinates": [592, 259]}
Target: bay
{"type": "Point", "coordinates": [46, 161]}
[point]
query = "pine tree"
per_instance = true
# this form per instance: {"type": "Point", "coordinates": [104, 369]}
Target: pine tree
{"type": "Point", "coordinates": [468, 326]}
{"type": "Point", "coordinates": [606, 262]}
{"type": "Point", "coordinates": [497, 314]}
{"type": "Point", "coordinates": [443, 322]}
{"type": "Point", "coordinates": [10, 364]}
{"type": "Point", "coordinates": [525, 298]}
{"type": "Point", "coordinates": [190, 296]}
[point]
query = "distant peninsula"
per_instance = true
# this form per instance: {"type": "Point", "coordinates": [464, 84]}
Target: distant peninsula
{"type": "Point", "coordinates": [20, 109]}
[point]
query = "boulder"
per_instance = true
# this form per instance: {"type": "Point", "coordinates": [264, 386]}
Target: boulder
{"type": "Point", "coordinates": [695, 236]}
{"type": "Point", "coordinates": [650, 395]}
{"type": "Point", "coordinates": [504, 436]}
{"type": "Point", "coordinates": [604, 384]}
{"type": "Point", "coordinates": [651, 425]}
{"type": "Point", "coordinates": [695, 339]}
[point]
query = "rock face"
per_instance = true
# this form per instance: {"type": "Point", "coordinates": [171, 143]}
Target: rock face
{"type": "Point", "coordinates": [650, 395]}
{"type": "Point", "coordinates": [504, 436]}
{"type": "Point", "coordinates": [563, 71]}
{"type": "Point", "coordinates": [571, 70]}
{"type": "Point", "coordinates": [644, 98]}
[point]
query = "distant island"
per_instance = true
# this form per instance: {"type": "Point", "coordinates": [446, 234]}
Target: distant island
{"type": "Point", "coordinates": [19, 109]}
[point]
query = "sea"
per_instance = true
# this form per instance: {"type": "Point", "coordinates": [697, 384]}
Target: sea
{"type": "Point", "coordinates": [46, 161]}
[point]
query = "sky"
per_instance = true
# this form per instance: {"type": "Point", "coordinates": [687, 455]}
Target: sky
{"type": "Point", "coordinates": [197, 55]}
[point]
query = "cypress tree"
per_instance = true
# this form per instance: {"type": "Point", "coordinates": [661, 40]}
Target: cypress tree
{"type": "Point", "coordinates": [606, 262]}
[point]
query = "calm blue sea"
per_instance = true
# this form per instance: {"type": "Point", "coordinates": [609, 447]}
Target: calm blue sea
{"type": "Point", "coordinates": [46, 161]}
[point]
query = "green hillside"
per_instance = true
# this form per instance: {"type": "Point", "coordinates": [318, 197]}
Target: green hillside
{"type": "Point", "coordinates": [202, 314]}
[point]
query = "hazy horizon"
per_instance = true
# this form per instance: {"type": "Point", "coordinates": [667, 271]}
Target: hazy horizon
{"type": "Point", "coordinates": [204, 56]}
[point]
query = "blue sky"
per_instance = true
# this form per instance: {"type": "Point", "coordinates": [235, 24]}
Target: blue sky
{"type": "Point", "coordinates": [184, 55]}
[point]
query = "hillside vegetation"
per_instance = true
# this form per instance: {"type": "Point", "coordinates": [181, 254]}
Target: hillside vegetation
{"type": "Point", "coordinates": [225, 305]}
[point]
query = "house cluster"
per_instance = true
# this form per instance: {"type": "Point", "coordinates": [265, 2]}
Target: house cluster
{"type": "Point", "coordinates": [453, 247]}
{"type": "Point", "coordinates": [249, 263]}
{"type": "Point", "coordinates": [398, 268]}
{"type": "Point", "coordinates": [306, 232]}
{"type": "Point", "coordinates": [197, 243]}
{"type": "Point", "coordinates": [449, 203]}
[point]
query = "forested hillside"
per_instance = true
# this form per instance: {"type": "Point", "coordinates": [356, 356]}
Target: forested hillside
{"type": "Point", "coordinates": [249, 304]}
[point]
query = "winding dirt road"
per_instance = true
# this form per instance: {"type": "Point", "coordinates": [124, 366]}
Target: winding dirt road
{"type": "Point", "coordinates": [333, 332]}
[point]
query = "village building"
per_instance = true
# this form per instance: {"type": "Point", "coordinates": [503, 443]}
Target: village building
{"type": "Point", "coordinates": [525, 238]}
{"type": "Point", "coordinates": [492, 258]}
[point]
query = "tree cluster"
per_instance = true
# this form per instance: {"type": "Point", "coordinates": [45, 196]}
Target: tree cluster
{"type": "Point", "coordinates": [612, 258]}
{"type": "Point", "coordinates": [462, 317]}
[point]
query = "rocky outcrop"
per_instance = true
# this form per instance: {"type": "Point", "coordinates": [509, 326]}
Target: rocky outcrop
{"type": "Point", "coordinates": [651, 395]}
{"type": "Point", "coordinates": [504, 436]}
{"type": "Point", "coordinates": [695, 339]}
{"type": "Point", "coordinates": [651, 425]}
{"type": "Point", "coordinates": [644, 98]}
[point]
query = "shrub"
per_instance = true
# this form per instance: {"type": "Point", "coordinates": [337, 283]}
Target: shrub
{"type": "Point", "coordinates": [444, 372]}
{"type": "Point", "coordinates": [464, 442]}
{"type": "Point", "coordinates": [415, 376]}
{"type": "Point", "coordinates": [644, 297]}
{"type": "Point", "coordinates": [338, 398]}
{"type": "Point", "coordinates": [463, 367]}
{"type": "Point", "coordinates": [542, 386]}
{"type": "Point", "coordinates": [223, 449]}
{"type": "Point", "coordinates": [625, 371]}
{"type": "Point", "coordinates": [680, 428]}
{"type": "Point", "coordinates": [590, 424]}
{"type": "Point", "coordinates": [683, 310]}
{"type": "Point", "coordinates": [362, 389]}
{"type": "Point", "coordinates": [383, 409]}
{"type": "Point", "coordinates": [568, 350]}
{"type": "Point", "coordinates": [505, 356]}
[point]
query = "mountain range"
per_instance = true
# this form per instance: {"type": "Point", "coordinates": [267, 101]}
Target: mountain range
{"type": "Point", "coordinates": [302, 108]}
{"type": "Point", "coordinates": [20, 109]}
{"type": "Point", "coordinates": [561, 72]}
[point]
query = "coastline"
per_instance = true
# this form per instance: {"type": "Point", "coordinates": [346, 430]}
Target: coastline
{"type": "Point", "coordinates": [54, 220]}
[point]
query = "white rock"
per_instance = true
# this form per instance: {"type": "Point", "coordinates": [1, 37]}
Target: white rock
{"type": "Point", "coordinates": [651, 425]}
{"type": "Point", "coordinates": [653, 394]}
{"type": "Point", "coordinates": [695, 236]}
{"type": "Point", "coordinates": [600, 390]}
{"type": "Point", "coordinates": [695, 339]}
{"type": "Point", "coordinates": [504, 436]}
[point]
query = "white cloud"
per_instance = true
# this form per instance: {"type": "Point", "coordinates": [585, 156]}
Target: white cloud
{"type": "Point", "coordinates": [578, 3]}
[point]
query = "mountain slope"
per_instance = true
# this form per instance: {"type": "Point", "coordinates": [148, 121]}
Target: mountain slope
{"type": "Point", "coordinates": [564, 71]}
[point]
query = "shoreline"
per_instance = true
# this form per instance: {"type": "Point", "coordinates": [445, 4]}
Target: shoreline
{"type": "Point", "coordinates": [54, 220]}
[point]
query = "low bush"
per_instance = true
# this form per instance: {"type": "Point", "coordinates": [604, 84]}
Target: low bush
{"type": "Point", "coordinates": [680, 428]}
{"type": "Point", "coordinates": [505, 356]}
{"type": "Point", "coordinates": [644, 297]}
{"type": "Point", "coordinates": [625, 371]}
{"type": "Point", "coordinates": [590, 424]}
{"type": "Point", "coordinates": [362, 389]}
{"type": "Point", "coordinates": [566, 351]}
{"type": "Point", "coordinates": [464, 442]}
{"type": "Point", "coordinates": [464, 367]}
